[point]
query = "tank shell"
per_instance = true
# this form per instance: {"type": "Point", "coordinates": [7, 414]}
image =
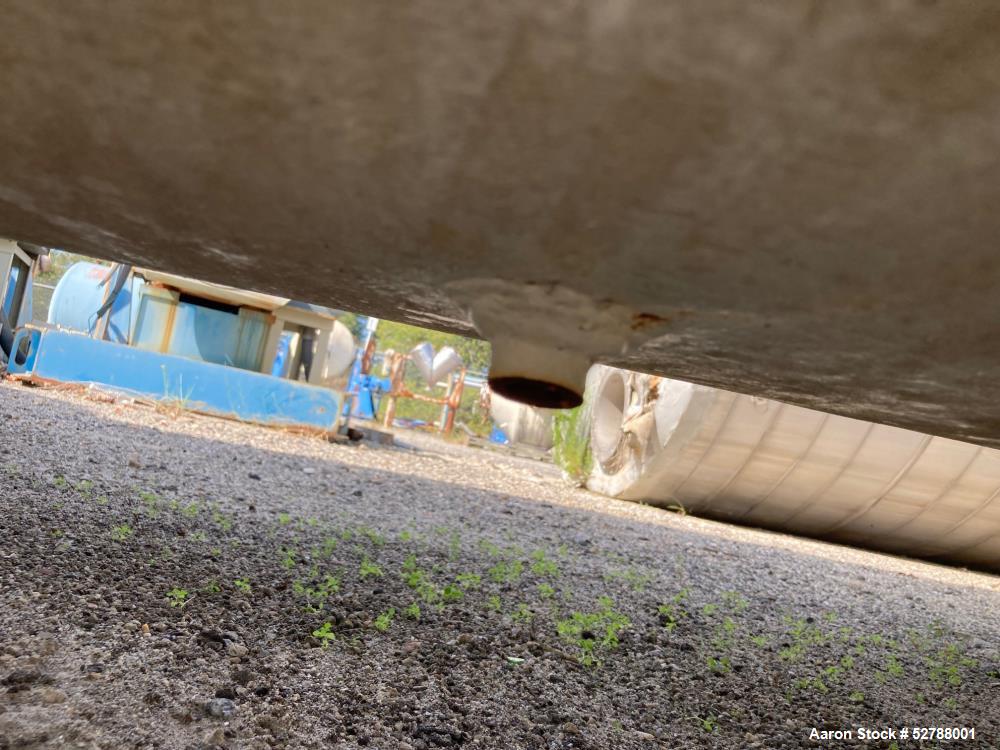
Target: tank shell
{"type": "Point", "coordinates": [765, 463]}
{"type": "Point", "coordinates": [80, 293]}
{"type": "Point", "coordinates": [523, 424]}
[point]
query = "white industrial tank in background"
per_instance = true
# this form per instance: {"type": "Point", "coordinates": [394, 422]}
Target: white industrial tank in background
{"type": "Point", "coordinates": [522, 424]}
{"type": "Point", "coordinates": [340, 354]}
{"type": "Point", "coordinates": [764, 463]}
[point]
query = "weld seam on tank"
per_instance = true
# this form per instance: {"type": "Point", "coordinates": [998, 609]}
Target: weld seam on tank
{"type": "Point", "coordinates": [791, 467]}
{"type": "Point", "coordinates": [813, 499]}
{"type": "Point", "coordinates": [870, 505]}
{"type": "Point", "coordinates": [679, 488]}
{"type": "Point", "coordinates": [750, 456]}
{"type": "Point", "coordinates": [944, 493]}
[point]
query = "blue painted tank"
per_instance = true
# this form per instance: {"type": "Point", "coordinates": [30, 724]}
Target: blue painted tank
{"type": "Point", "coordinates": [159, 320]}
{"type": "Point", "coordinates": [80, 293]}
{"type": "Point", "coordinates": [283, 356]}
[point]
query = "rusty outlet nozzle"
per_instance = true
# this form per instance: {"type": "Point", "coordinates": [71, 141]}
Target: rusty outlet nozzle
{"type": "Point", "coordinates": [536, 392]}
{"type": "Point", "coordinates": [537, 375]}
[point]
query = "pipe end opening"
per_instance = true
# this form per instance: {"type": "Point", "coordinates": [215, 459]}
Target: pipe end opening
{"type": "Point", "coordinates": [540, 393]}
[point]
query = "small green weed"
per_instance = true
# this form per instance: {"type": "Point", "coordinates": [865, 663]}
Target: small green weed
{"type": "Point", "coordinates": [330, 584]}
{"type": "Point", "coordinates": [384, 620]}
{"type": "Point", "coordinates": [734, 601]}
{"type": "Point", "coordinates": [504, 572]}
{"type": "Point", "coordinates": [545, 591]}
{"type": "Point", "coordinates": [469, 580]}
{"type": "Point", "coordinates": [707, 724]}
{"type": "Point", "coordinates": [523, 613]}
{"type": "Point", "coordinates": [673, 611]}
{"type": "Point", "coordinates": [946, 664]}
{"type": "Point", "coordinates": [571, 443]}
{"type": "Point", "coordinates": [636, 579]}
{"type": "Point", "coordinates": [221, 520]}
{"type": "Point", "coordinates": [377, 539]}
{"type": "Point", "coordinates": [368, 568]}
{"type": "Point", "coordinates": [151, 502]}
{"type": "Point", "coordinates": [591, 631]}
{"type": "Point", "coordinates": [803, 634]}
{"type": "Point", "coordinates": [893, 667]}
{"type": "Point", "coordinates": [719, 665]}
{"type": "Point", "coordinates": [722, 644]}
{"type": "Point", "coordinates": [121, 533]}
{"type": "Point", "coordinates": [543, 566]}
{"type": "Point", "coordinates": [325, 634]}
{"type": "Point", "coordinates": [489, 548]}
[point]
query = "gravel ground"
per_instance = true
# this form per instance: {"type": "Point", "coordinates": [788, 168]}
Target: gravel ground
{"type": "Point", "coordinates": [177, 581]}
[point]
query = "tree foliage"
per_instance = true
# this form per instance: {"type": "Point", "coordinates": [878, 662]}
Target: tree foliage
{"type": "Point", "coordinates": [401, 337]}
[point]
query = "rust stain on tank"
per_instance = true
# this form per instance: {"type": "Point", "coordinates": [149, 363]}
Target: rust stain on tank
{"type": "Point", "coordinates": [642, 321]}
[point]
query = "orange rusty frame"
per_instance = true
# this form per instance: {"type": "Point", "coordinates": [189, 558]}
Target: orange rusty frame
{"type": "Point", "coordinates": [451, 402]}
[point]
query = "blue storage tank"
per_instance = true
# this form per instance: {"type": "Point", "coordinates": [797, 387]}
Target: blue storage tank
{"type": "Point", "coordinates": [170, 322]}
{"type": "Point", "coordinates": [80, 293]}
{"type": "Point", "coordinates": [283, 356]}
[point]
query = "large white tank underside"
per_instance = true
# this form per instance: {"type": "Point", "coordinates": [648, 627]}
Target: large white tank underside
{"type": "Point", "coordinates": [764, 463]}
